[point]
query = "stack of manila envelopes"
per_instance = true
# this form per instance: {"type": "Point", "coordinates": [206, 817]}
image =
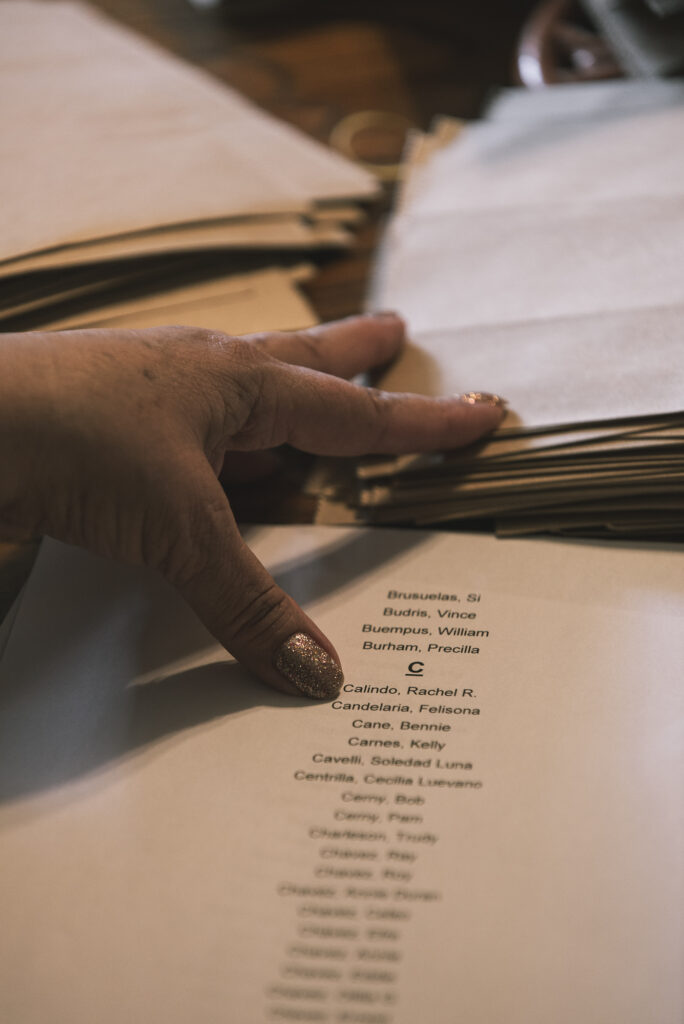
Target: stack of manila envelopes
{"type": "Point", "coordinates": [539, 254]}
{"type": "Point", "coordinates": [129, 173]}
{"type": "Point", "coordinates": [261, 300]}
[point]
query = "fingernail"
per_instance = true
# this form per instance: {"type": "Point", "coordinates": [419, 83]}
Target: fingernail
{"type": "Point", "coordinates": [483, 398]}
{"type": "Point", "coordinates": [304, 662]}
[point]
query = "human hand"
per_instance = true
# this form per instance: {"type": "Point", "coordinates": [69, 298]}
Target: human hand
{"type": "Point", "coordinates": [113, 440]}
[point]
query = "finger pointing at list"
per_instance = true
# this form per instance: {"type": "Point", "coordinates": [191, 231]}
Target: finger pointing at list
{"type": "Point", "coordinates": [113, 440]}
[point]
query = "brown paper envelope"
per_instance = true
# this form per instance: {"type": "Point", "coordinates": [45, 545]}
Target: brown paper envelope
{"type": "Point", "coordinates": [278, 232]}
{"type": "Point", "coordinates": [543, 498]}
{"type": "Point", "coordinates": [110, 134]}
{"type": "Point", "coordinates": [240, 304]}
{"type": "Point", "coordinates": [478, 458]}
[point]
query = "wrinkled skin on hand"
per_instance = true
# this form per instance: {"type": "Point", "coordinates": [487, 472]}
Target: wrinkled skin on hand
{"type": "Point", "coordinates": [113, 440]}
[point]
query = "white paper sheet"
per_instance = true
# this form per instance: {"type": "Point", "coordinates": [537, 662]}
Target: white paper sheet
{"type": "Point", "coordinates": [529, 263]}
{"type": "Point", "coordinates": [178, 842]}
{"type": "Point", "coordinates": [601, 159]}
{"type": "Point", "coordinates": [571, 369]}
{"type": "Point", "coordinates": [578, 100]}
{"type": "Point", "coordinates": [538, 254]}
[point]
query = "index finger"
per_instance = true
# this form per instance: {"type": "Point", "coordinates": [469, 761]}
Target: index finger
{"type": "Point", "coordinates": [324, 415]}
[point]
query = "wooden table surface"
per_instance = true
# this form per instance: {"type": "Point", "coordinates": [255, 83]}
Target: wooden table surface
{"type": "Point", "coordinates": [313, 70]}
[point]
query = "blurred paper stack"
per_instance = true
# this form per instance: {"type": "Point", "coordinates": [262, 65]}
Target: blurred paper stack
{"type": "Point", "coordinates": [135, 187]}
{"type": "Point", "coordinates": [539, 254]}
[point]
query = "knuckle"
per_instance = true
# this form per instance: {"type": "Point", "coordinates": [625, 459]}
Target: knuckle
{"type": "Point", "coordinates": [262, 341]}
{"type": "Point", "coordinates": [261, 613]}
{"type": "Point", "coordinates": [379, 404]}
{"type": "Point", "coordinates": [207, 337]}
{"type": "Point", "coordinates": [245, 387]}
{"type": "Point", "coordinates": [292, 346]}
{"type": "Point", "coordinates": [310, 348]}
{"type": "Point", "coordinates": [215, 352]}
{"type": "Point", "coordinates": [230, 377]}
{"type": "Point", "coordinates": [262, 399]}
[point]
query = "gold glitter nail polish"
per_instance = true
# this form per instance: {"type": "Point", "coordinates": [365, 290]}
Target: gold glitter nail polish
{"type": "Point", "coordinates": [304, 662]}
{"type": "Point", "coordinates": [483, 398]}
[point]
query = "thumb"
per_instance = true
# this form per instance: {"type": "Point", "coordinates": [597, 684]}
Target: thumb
{"type": "Point", "coordinates": [246, 610]}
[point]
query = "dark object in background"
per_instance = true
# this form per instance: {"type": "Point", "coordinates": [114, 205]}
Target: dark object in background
{"type": "Point", "coordinates": [647, 36]}
{"type": "Point", "coordinates": [586, 40]}
{"type": "Point", "coordinates": [560, 44]}
{"type": "Point", "coordinates": [666, 7]}
{"type": "Point", "coordinates": [437, 15]}
{"type": "Point", "coordinates": [247, 8]}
